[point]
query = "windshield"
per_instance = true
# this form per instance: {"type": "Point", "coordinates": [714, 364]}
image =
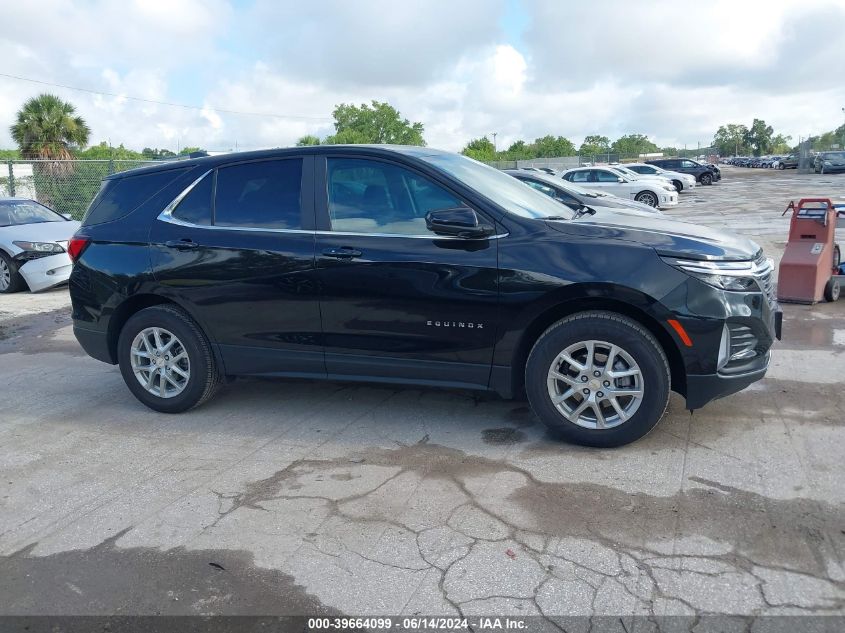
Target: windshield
{"type": "Point", "coordinates": [509, 193]}
{"type": "Point", "coordinates": [626, 172]}
{"type": "Point", "coordinates": [16, 212]}
{"type": "Point", "coordinates": [834, 155]}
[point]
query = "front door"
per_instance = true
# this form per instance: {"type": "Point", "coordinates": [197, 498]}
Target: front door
{"type": "Point", "coordinates": [399, 302]}
{"type": "Point", "coordinates": [238, 253]}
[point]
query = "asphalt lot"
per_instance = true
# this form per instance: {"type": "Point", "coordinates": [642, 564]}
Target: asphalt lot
{"type": "Point", "coordinates": [302, 497]}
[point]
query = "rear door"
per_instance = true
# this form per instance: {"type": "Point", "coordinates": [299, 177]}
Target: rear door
{"type": "Point", "coordinates": [238, 252]}
{"type": "Point", "coordinates": [399, 302]}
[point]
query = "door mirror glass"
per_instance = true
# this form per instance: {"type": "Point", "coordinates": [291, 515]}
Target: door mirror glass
{"type": "Point", "coordinates": [458, 222]}
{"type": "Point", "coordinates": [66, 216]}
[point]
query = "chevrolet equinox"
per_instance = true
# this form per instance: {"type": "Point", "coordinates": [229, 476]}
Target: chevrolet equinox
{"type": "Point", "coordinates": [413, 266]}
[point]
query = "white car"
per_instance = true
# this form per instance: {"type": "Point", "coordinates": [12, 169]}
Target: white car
{"type": "Point", "coordinates": [682, 182]}
{"type": "Point", "coordinates": [33, 246]}
{"type": "Point", "coordinates": [632, 175]}
{"type": "Point", "coordinates": [654, 193]}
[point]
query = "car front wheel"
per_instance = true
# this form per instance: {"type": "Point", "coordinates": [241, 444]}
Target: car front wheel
{"type": "Point", "coordinates": [166, 360]}
{"type": "Point", "coordinates": [10, 279]}
{"type": "Point", "coordinates": [706, 179]}
{"type": "Point", "coordinates": [647, 197]}
{"type": "Point", "coordinates": [598, 379]}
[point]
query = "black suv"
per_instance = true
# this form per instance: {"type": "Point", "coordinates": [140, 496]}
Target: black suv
{"type": "Point", "coordinates": [705, 174]}
{"type": "Point", "coordinates": [413, 266]}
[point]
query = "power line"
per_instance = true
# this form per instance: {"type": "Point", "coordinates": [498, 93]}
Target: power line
{"type": "Point", "coordinates": [167, 103]}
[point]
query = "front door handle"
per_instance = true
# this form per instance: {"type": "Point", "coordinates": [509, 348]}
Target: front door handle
{"type": "Point", "coordinates": [342, 252]}
{"type": "Point", "coordinates": [184, 244]}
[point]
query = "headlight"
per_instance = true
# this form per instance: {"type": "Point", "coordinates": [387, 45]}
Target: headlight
{"type": "Point", "coordinates": [40, 247]}
{"type": "Point", "coordinates": [736, 276]}
{"type": "Point", "coordinates": [669, 187]}
{"type": "Point", "coordinates": [827, 162]}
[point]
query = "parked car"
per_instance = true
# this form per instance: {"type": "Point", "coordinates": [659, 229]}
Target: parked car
{"type": "Point", "coordinates": [632, 175]}
{"type": "Point", "coordinates": [680, 180]}
{"type": "Point", "coordinates": [605, 179]}
{"type": "Point", "coordinates": [33, 246]}
{"type": "Point", "coordinates": [413, 266]}
{"type": "Point", "coordinates": [704, 174]}
{"type": "Point", "coordinates": [576, 198]}
{"type": "Point", "coordinates": [789, 162]}
{"type": "Point", "coordinates": [829, 162]}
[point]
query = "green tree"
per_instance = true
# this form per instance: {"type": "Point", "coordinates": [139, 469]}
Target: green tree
{"type": "Point", "coordinates": [550, 146]}
{"type": "Point", "coordinates": [595, 144]}
{"type": "Point", "coordinates": [105, 152]}
{"type": "Point", "coordinates": [47, 128]}
{"type": "Point", "coordinates": [190, 150]}
{"type": "Point", "coordinates": [519, 151]}
{"type": "Point", "coordinates": [155, 154]}
{"type": "Point", "coordinates": [9, 154]}
{"type": "Point", "coordinates": [730, 139]}
{"type": "Point", "coordinates": [759, 137]}
{"type": "Point", "coordinates": [308, 139]}
{"type": "Point", "coordinates": [633, 144]}
{"type": "Point", "coordinates": [375, 123]}
{"type": "Point", "coordinates": [480, 149]}
{"type": "Point", "coordinates": [781, 144]}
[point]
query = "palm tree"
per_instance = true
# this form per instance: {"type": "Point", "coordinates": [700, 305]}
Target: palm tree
{"type": "Point", "coordinates": [47, 128]}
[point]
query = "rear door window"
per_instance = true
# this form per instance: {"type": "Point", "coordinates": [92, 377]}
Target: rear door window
{"type": "Point", "coordinates": [580, 176]}
{"type": "Point", "coordinates": [263, 195]}
{"type": "Point", "coordinates": [195, 208]}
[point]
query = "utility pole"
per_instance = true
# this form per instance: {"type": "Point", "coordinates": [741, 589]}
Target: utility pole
{"type": "Point", "coordinates": [495, 150]}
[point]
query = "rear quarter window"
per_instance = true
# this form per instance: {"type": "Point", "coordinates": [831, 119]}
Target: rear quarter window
{"type": "Point", "coordinates": [118, 197]}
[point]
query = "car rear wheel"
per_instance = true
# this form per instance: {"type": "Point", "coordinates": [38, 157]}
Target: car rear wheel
{"type": "Point", "coordinates": [706, 179]}
{"type": "Point", "coordinates": [647, 197]}
{"type": "Point", "coordinates": [832, 290]}
{"type": "Point", "coordinates": [10, 279]}
{"type": "Point", "coordinates": [598, 379]}
{"type": "Point", "coordinates": [166, 360]}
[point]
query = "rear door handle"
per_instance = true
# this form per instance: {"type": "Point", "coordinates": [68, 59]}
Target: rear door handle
{"type": "Point", "coordinates": [184, 244]}
{"type": "Point", "coordinates": [343, 252]}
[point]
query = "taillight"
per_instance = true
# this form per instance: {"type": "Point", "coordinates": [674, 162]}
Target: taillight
{"type": "Point", "coordinates": [76, 246]}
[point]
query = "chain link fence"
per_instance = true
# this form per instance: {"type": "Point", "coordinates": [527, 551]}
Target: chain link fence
{"type": "Point", "coordinates": [66, 186]}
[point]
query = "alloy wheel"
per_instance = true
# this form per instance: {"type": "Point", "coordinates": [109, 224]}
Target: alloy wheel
{"type": "Point", "coordinates": [5, 275]}
{"type": "Point", "coordinates": [595, 384]}
{"type": "Point", "coordinates": [160, 362]}
{"type": "Point", "coordinates": [649, 199]}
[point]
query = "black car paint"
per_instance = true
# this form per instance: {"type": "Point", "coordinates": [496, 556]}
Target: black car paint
{"type": "Point", "coordinates": [437, 311]}
{"type": "Point", "coordinates": [696, 169]}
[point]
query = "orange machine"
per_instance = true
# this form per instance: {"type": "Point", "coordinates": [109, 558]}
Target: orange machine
{"type": "Point", "coordinates": [808, 269]}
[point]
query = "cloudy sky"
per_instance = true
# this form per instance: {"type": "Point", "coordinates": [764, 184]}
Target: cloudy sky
{"type": "Point", "coordinates": [673, 70]}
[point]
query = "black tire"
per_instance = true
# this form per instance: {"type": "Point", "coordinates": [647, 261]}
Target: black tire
{"type": "Point", "coordinates": [837, 259]}
{"type": "Point", "coordinates": [648, 197]}
{"type": "Point", "coordinates": [614, 329]}
{"type": "Point", "coordinates": [832, 290]}
{"type": "Point", "coordinates": [781, 166]}
{"type": "Point", "coordinates": [705, 179]}
{"type": "Point", "coordinates": [679, 186]}
{"type": "Point", "coordinates": [15, 282]}
{"type": "Point", "coordinates": [204, 376]}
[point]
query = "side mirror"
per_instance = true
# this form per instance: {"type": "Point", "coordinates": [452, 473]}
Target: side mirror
{"type": "Point", "coordinates": [66, 216]}
{"type": "Point", "coordinates": [459, 222]}
{"type": "Point", "coordinates": [620, 179]}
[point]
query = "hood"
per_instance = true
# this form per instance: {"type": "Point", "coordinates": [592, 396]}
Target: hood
{"type": "Point", "coordinates": [39, 232]}
{"type": "Point", "coordinates": [667, 237]}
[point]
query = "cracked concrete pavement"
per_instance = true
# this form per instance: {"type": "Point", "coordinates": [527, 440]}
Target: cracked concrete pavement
{"type": "Point", "coordinates": [283, 497]}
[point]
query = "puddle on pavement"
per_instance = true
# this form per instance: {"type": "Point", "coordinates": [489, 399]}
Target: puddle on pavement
{"type": "Point", "coordinates": [107, 580]}
{"type": "Point", "coordinates": [503, 436]}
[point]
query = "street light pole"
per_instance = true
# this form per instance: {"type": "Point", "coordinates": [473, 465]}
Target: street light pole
{"type": "Point", "coordinates": [495, 134]}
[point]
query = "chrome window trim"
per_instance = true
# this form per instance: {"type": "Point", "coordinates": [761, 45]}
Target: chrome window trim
{"type": "Point", "coordinates": [166, 215]}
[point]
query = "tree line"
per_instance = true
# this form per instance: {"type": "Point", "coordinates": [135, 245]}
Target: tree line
{"type": "Point", "coordinates": [48, 128]}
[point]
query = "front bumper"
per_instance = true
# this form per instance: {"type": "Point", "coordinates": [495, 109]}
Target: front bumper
{"type": "Point", "coordinates": [46, 272]}
{"type": "Point", "coordinates": [668, 199]}
{"type": "Point", "coordinates": [702, 389]}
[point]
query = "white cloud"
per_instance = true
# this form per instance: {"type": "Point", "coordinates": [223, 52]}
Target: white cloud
{"type": "Point", "coordinates": [665, 69]}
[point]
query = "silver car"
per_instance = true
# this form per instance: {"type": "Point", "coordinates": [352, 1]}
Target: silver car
{"type": "Point", "coordinates": [33, 246]}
